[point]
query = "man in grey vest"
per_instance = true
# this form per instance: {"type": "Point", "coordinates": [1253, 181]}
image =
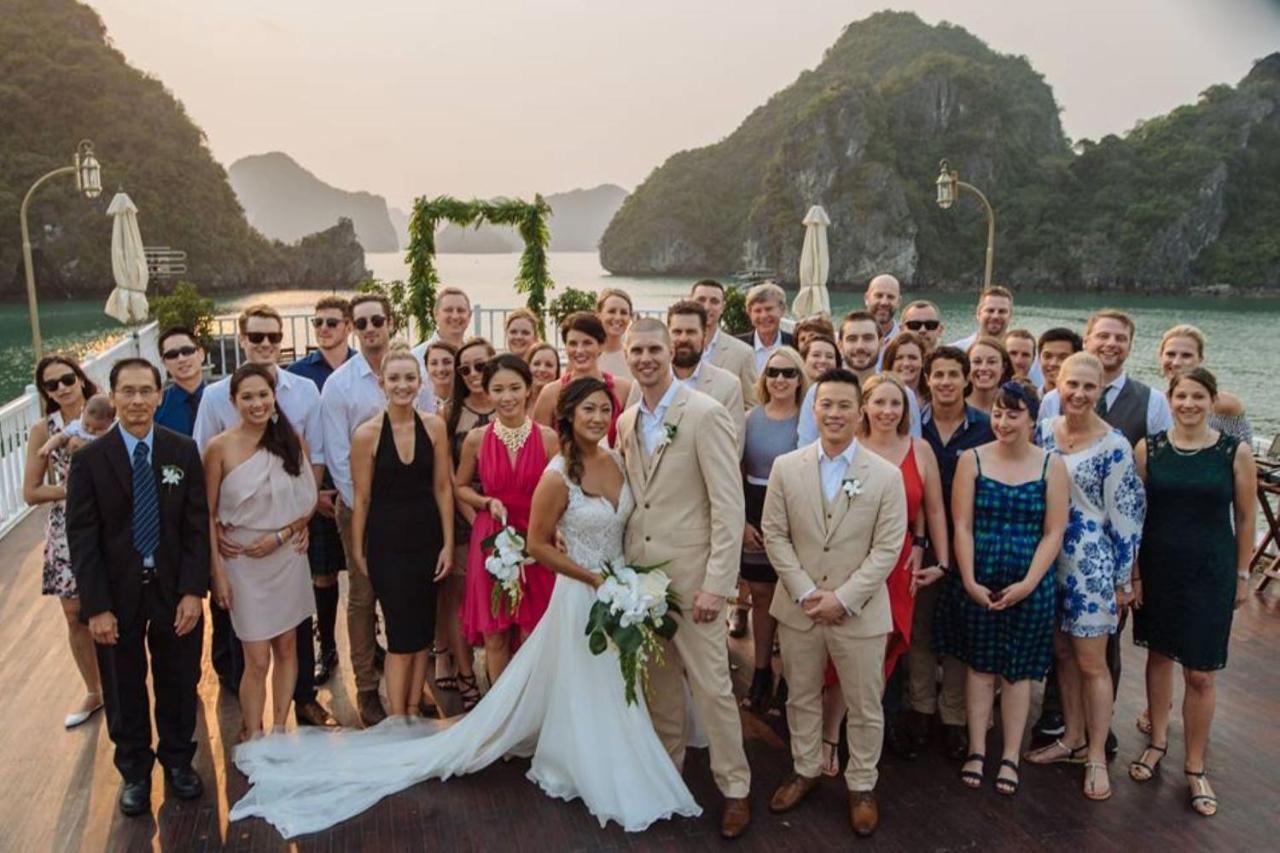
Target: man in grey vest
{"type": "Point", "coordinates": [1132, 407]}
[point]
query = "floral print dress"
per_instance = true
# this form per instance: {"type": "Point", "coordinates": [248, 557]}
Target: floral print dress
{"type": "Point", "coordinates": [57, 579]}
{"type": "Point", "coordinates": [1104, 529]}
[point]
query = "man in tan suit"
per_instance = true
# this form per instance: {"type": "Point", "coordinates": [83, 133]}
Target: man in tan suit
{"type": "Point", "coordinates": [682, 463]}
{"type": "Point", "coordinates": [722, 349]}
{"type": "Point", "coordinates": [834, 520]}
{"type": "Point", "coordinates": [687, 324]}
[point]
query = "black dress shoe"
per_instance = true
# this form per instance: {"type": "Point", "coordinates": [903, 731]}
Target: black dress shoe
{"type": "Point", "coordinates": [956, 743]}
{"type": "Point", "coordinates": [1049, 726]}
{"type": "Point", "coordinates": [1112, 745]}
{"type": "Point", "coordinates": [184, 781]}
{"type": "Point", "coordinates": [760, 692]}
{"type": "Point", "coordinates": [135, 798]}
{"type": "Point", "coordinates": [900, 742]}
{"type": "Point", "coordinates": [325, 666]}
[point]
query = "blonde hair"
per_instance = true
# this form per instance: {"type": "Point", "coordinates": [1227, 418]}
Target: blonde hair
{"type": "Point", "coordinates": [1087, 359]}
{"type": "Point", "coordinates": [260, 309]}
{"type": "Point", "coordinates": [399, 351]}
{"type": "Point", "coordinates": [766, 290]}
{"type": "Point", "coordinates": [1184, 330]}
{"type": "Point", "coordinates": [802, 386]}
{"type": "Point", "coordinates": [520, 313]}
{"type": "Point", "coordinates": [613, 291]}
{"type": "Point", "coordinates": [874, 382]}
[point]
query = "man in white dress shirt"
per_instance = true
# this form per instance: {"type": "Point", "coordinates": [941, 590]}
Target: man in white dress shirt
{"type": "Point", "coordinates": [766, 306]}
{"type": "Point", "coordinates": [723, 350]}
{"type": "Point", "coordinates": [452, 315]}
{"type": "Point", "coordinates": [261, 332]}
{"type": "Point", "coordinates": [994, 314]}
{"type": "Point", "coordinates": [351, 396]}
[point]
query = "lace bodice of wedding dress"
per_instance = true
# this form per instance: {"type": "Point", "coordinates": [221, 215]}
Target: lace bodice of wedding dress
{"type": "Point", "coordinates": [592, 528]}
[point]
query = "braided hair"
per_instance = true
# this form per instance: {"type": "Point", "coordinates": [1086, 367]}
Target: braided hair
{"type": "Point", "coordinates": [571, 396]}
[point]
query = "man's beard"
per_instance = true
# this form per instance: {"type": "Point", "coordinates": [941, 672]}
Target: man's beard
{"type": "Point", "coordinates": [686, 357]}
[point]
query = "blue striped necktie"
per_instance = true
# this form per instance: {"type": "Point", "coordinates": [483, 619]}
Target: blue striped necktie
{"type": "Point", "coordinates": [146, 507]}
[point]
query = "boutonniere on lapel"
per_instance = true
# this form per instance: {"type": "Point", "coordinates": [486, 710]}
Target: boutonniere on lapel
{"type": "Point", "coordinates": [852, 487]}
{"type": "Point", "coordinates": [171, 475]}
{"type": "Point", "coordinates": [668, 435]}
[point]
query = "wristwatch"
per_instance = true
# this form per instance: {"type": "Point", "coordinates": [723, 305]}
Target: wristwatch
{"type": "Point", "coordinates": [946, 570]}
{"type": "Point", "coordinates": [918, 541]}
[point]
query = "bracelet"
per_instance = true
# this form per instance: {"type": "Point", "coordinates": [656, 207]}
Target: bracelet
{"type": "Point", "coordinates": [1244, 576]}
{"type": "Point", "coordinates": [919, 541]}
{"type": "Point", "coordinates": [279, 538]}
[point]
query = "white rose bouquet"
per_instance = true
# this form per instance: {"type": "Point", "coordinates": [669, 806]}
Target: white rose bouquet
{"type": "Point", "coordinates": [632, 611]}
{"type": "Point", "coordinates": [506, 564]}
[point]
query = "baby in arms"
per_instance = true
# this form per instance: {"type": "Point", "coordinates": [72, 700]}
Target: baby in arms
{"type": "Point", "coordinates": [97, 418]}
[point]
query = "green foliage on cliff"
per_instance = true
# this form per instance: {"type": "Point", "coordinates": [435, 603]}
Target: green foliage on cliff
{"type": "Point", "coordinates": [61, 81]}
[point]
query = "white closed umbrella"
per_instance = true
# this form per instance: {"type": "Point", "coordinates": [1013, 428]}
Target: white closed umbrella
{"type": "Point", "coordinates": [815, 264]}
{"type": "Point", "coordinates": [128, 302]}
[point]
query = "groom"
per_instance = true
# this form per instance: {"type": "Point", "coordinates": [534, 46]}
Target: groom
{"type": "Point", "coordinates": [681, 450]}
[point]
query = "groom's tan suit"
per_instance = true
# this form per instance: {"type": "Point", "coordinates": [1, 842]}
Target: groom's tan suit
{"type": "Point", "coordinates": [689, 514]}
{"type": "Point", "coordinates": [848, 544]}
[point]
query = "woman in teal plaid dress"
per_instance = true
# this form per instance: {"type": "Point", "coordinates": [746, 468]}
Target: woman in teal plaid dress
{"type": "Point", "coordinates": [1009, 504]}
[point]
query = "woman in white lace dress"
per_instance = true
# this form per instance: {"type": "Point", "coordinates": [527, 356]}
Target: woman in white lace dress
{"type": "Point", "coordinates": [555, 702]}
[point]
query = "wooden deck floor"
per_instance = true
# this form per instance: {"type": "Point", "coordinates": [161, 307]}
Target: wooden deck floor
{"type": "Point", "coordinates": [60, 788]}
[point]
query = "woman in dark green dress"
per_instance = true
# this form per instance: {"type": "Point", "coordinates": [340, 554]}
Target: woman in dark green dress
{"type": "Point", "coordinates": [1009, 503]}
{"type": "Point", "coordinates": [1193, 569]}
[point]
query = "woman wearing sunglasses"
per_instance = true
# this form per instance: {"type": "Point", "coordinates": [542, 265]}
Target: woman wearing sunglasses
{"type": "Point", "coordinates": [63, 389]}
{"type": "Point", "coordinates": [771, 430]}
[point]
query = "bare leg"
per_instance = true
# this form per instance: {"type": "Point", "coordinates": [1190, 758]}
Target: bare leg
{"type": "Point", "coordinates": [762, 624]}
{"type": "Point", "coordinates": [1097, 697]}
{"type": "Point", "coordinates": [284, 676]}
{"type": "Point", "coordinates": [979, 697]}
{"type": "Point", "coordinates": [833, 710]}
{"type": "Point", "coordinates": [448, 603]}
{"type": "Point", "coordinates": [1197, 714]}
{"type": "Point", "coordinates": [417, 681]}
{"type": "Point", "coordinates": [83, 652]}
{"type": "Point", "coordinates": [1071, 689]}
{"type": "Point", "coordinates": [497, 653]}
{"type": "Point", "coordinates": [1015, 707]}
{"type": "Point", "coordinates": [398, 671]}
{"type": "Point", "coordinates": [1159, 695]}
{"type": "Point", "coordinates": [253, 685]}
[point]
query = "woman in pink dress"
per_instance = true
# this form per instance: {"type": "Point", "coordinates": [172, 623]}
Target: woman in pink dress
{"type": "Point", "coordinates": [506, 457]}
{"type": "Point", "coordinates": [584, 338]}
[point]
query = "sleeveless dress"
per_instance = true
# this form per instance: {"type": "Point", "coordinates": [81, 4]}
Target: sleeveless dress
{"type": "Point", "coordinates": [1188, 553]}
{"type": "Point", "coordinates": [461, 529]}
{"type": "Point", "coordinates": [269, 595]}
{"type": "Point", "coordinates": [556, 702]}
{"type": "Point", "coordinates": [901, 602]}
{"type": "Point", "coordinates": [513, 485]}
{"type": "Point", "coordinates": [403, 539]}
{"type": "Point", "coordinates": [613, 396]}
{"type": "Point", "coordinates": [1017, 643]}
{"type": "Point", "coordinates": [56, 578]}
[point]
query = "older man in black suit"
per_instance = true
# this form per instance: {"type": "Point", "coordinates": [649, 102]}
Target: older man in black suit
{"type": "Point", "coordinates": [138, 530]}
{"type": "Point", "coordinates": [766, 306]}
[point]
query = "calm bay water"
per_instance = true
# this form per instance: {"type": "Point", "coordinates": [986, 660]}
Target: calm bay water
{"type": "Point", "coordinates": [1240, 331]}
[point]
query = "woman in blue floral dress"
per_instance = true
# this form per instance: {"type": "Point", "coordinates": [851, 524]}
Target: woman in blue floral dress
{"type": "Point", "coordinates": [1104, 529]}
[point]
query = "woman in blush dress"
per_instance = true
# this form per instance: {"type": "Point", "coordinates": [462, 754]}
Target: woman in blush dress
{"type": "Point", "coordinates": [556, 702]}
{"type": "Point", "coordinates": [262, 493]}
{"type": "Point", "coordinates": [583, 335]}
{"type": "Point", "coordinates": [614, 308]}
{"type": "Point", "coordinates": [506, 458]}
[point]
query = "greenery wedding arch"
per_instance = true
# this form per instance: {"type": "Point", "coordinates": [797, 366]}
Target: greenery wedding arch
{"type": "Point", "coordinates": [529, 220]}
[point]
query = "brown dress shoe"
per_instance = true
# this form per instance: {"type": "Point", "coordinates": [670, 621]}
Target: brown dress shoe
{"type": "Point", "coordinates": [737, 814]}
{"type": "Point", "coordinates": [314, 714]}
{"type": "Point", "coordinates": [792, 790]}
{"type": "Point", "coordinates": [370, 706]}
{"type": "Point", "coordinates": [864, 814]}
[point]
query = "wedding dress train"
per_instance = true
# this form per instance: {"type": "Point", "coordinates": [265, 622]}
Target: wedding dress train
{"type": "Point", "coordinates": [555, 701]}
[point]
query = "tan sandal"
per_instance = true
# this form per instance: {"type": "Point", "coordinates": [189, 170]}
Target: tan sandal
{"type": "Point", "coordinates": [1091, 769]}
{"type": "Point", "coordinates": [1203, 802]}
{"type": "Point", "coordinates": [1067, 754]}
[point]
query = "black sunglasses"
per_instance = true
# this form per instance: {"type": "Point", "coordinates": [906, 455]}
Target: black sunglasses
{"type": "Point", "coordinates": [783, 372]}
{"type": "Point", "coordinates": [917, 325]}
{"type": "Point", "coordinates": [66, 380]}
{"type": "Point", "coordinates": [478, 367]}
{"type": "Point", "coordinates": [178, 352]}
{"type": "Point", "coordinates": [321, 322]}
{"type": "Point", "coordinates": [377, 320]}
{"type": "Point", "coordinates": [259, 337]}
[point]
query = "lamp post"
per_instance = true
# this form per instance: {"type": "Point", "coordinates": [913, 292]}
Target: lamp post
{"type": "Point", "coordinates": [88, 181]}
{"type": "Point", "coordinates": [949, 186]}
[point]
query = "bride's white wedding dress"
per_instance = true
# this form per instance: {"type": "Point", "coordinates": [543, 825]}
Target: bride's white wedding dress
{"type": "Point", "coordinates": [555, 701]}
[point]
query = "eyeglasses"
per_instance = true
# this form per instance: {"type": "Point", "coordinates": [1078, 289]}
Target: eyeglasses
{"type": "Point", "coordinates": [378, 321]}
{"type": "Point", "coordinates": [178, 352]}
{"type": "Point", "coordinates": [781, 372]}
{"type": "Point", "coordinates": [66, 380]}
{"type": "Point", "coordinates": [259, 337]}
{"type": "Point", "coordinates": [466, 369]}
{"type": "Point", "coordinates": [917, 325]}
{"type": "Point", "coordinates": [321, 322]}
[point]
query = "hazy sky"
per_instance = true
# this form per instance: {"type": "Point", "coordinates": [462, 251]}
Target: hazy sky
{"type": "Point", "coordinates": [512, 97]}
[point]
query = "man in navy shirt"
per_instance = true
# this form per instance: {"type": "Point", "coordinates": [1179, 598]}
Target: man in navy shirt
{"type": "Point", "coordinates": [332, 325]}
{"type": "Point", "coordinates": [184, 362]}
{"type": "Point", "coordinates": [951, 427]}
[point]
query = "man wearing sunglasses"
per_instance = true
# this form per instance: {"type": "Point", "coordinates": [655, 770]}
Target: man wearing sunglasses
{"type": "Point", "coordinates": [351, 396]}
{"type": "Point", "coordinates": [183, 359]}
{"type": "Point", "coordinates": [331, 325]}
{"type": "Point", "coordinates": [261, 331]}
{"type": "Point", "coordinates": [923, 318]}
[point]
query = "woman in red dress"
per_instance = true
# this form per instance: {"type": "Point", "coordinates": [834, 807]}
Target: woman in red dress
{"type": "Point", "coordinates": [584, 337]}
{"type": "Point", "coordinates": [505, 458]}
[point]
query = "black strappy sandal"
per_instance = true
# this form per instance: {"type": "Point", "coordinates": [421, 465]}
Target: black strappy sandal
{"type": "Point", "coordinates": [1209, 801]}
{"type": "Point", "coordinates": [973, 778]}
{"type": "Point", "coordinates": [1005, 786]}
{"type": "Point", "coordinates": [468, 691]}
{"type": "Point", "coordinates": [444, 682]}
{"type": "Point", "coordinates": [1145, 771]}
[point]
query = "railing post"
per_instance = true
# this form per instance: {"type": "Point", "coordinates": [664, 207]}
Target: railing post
{"type": "Point", "coordinates": [476, 314]}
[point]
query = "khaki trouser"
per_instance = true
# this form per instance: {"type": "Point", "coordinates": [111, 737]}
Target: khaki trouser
{"type": "Point", "coordinates": [859, 662]}
{"type": "Point", "coordinates": [699, 651]}
{"type": "Point", "coordinates": [922, 666]}
{"type": "Point", "coordinates": [361, 604]}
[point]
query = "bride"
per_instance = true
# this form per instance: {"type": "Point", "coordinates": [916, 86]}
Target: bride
{"type": "Point", "coordinates": [556, 701]}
